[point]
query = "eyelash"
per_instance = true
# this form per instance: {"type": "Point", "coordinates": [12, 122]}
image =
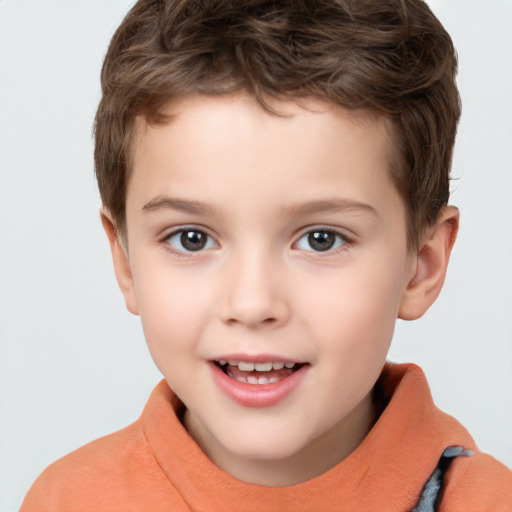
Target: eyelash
{"type": "Point", "coordinates": [341, 241]}
{"type": "Point", "coordinates": [209, 243]}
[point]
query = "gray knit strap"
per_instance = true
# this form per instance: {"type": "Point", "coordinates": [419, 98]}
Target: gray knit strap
{"type": "Point", "coordinates": [432, 492]}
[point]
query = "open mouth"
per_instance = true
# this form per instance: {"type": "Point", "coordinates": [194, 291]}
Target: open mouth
{"type": "Point", "coordinates": [258, 373]}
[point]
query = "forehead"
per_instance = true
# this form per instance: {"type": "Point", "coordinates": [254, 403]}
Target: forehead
{"type": "Point", "coordinates": [243, 144]}
{"type": "Point", "coordinates": [203, 115]}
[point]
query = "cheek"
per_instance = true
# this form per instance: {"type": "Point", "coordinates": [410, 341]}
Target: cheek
{"type": "Point", "coordinates": [172, 309]}
{"type": "Point", "coordinates": [357, 309]}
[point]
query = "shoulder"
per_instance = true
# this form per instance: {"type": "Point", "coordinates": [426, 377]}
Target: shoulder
{"type": "Point", "coordinates": [93, 474]}
{"type": "Point", "coordinates": [118, 472]}
{"type": "Point", "coordinates": [479, 483]}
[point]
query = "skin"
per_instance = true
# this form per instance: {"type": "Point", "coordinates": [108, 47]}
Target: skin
{"type": "Point", "coordinates": [256, 185]}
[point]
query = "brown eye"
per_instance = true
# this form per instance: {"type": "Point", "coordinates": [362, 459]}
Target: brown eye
{"type": "Point", "coordinates": [193, 240]}
{"type": "Point", "coordinates": [190, 240]}
{"type": "Point", "coordinates": [321, 240]}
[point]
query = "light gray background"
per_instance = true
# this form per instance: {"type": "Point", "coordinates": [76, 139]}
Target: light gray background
{"type": "Point", "coordinates": [73, 362]}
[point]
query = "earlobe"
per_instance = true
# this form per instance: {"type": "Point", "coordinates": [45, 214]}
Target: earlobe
{"type": "Point", "coordinates": [121, 263]}
{"type": "Point", "coordinates": [431, 264]}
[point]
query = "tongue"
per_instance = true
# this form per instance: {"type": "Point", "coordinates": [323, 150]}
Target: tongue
{"type": "Point", "coordinates": [235, 372]}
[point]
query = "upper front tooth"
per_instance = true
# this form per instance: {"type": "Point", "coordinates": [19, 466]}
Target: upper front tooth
{"type": "Point", "coordinates": [259, 367]}
{"type": "Point", "coordinates": [263, 367]}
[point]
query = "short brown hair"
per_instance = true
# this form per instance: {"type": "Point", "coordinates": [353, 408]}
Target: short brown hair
{"type": "Point", "coordinates": [391, 57]}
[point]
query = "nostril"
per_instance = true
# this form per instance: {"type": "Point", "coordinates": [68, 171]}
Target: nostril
{"type": "Point", "coordinates": [248, 321]}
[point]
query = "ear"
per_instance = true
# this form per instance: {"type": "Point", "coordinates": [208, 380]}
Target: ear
{"type": "Point", "coordinates": [121, 262]}
{"type": "Point", "coordinates": [431, 264]}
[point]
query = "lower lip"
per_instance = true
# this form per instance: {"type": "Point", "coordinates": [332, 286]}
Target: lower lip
{"type": "Point", "coordinates": [257, 395]}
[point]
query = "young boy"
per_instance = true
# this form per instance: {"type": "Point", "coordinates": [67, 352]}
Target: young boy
{"type": "Point", "coordinates": [274, 178]}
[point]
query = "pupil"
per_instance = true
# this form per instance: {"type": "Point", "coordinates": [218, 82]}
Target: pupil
{"type": "Point", "coordinates": [321, 240]}
{"type": "Point", "coordinates": [193, 240]}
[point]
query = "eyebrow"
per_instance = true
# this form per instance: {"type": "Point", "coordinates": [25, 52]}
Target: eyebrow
{"type": "Point", "coordinates": [183, 205]}
{"type": "Point", "coordinates": [330, 205]}
{"type": "Point", "coordinates": [197, 207]}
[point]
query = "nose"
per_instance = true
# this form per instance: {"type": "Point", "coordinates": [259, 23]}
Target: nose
{"type": "Point", "coordinates": [254, 293]}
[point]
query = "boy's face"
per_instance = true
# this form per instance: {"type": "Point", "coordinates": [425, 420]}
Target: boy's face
{"type": "Point", "coordinates": [267, 239]}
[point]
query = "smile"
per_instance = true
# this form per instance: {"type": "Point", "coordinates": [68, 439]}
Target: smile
{"type": "Point", "coordinates": [262, 373]}
{"type": "Point", "coordinates": [257, 384]}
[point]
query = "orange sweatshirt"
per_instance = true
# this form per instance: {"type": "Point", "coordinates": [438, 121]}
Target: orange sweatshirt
{"type": "Point", "coordinates": [154, 466]}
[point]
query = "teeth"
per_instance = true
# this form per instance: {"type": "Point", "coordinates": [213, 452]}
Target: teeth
{"type": "Point", "coordinates": [252, 379]}
{"type": "Point", "coordinates": [246, 366]}
{"type": "Point", "coordinates": [262, 367]}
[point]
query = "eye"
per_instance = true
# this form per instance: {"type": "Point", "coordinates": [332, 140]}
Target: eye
{"type": "Point", "coordinates": [190, 240]}
{"type": "Point", "coordinates": [321, 240]}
